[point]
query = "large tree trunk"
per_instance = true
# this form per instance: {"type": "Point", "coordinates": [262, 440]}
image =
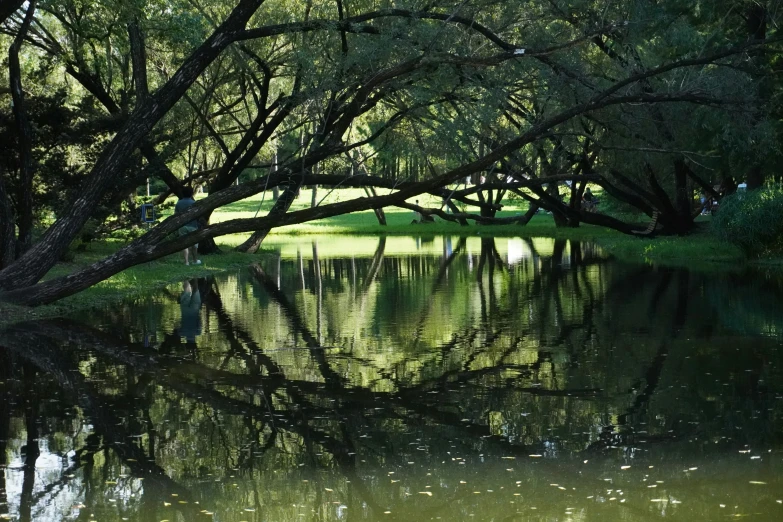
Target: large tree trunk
{"type": "Point", "coordinates": [682, 200]}
{"type": "Point", "coordinates": [43, 255]}
{"type": "Point", "coordinates": [208, 247]}
{"type": "Point", "coordinates": [563, 218]}
{"type": "Point", "coordinates": [24, 203]}
{"type": "Point", "coordinates": [531, 211]}
{"type": "Point", "coordinates": [7, 228]}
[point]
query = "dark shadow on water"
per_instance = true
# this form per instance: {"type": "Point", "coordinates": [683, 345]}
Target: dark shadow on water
{"type": "Point", "coordinates": [362, 366]}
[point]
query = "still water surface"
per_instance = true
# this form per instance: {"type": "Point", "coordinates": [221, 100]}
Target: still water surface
{"type": "Point", "coordinates": [405, 380]}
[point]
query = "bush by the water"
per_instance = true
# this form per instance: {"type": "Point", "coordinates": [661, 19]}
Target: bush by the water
{"type": "Point", "coordinates": [753, 220]}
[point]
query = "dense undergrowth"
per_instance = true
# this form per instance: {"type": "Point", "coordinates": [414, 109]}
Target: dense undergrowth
{"type": "Point", "coordinates": [753, 221]}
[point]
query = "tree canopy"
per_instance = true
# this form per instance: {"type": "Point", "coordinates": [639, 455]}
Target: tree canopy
{"type": "Point", "coordinates": [651, 101]}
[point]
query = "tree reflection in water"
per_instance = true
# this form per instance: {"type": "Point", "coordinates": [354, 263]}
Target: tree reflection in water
{"type": "Point", "coordinates": [363, 367]}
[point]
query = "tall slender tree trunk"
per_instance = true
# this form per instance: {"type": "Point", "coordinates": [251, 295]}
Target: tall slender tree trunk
{"type": "Point", "coordinates": [7, 227]}
{"type": "Point", "coordinates": [531, 211]}
{"type": "Point", "coordinates": [682, 200]}
{"type": "Point", "coordinates": [24, 202]}
{"type": "Point", "coordinates": [379, 213]}
{"type": "Point", "coordinates": [275, 190]}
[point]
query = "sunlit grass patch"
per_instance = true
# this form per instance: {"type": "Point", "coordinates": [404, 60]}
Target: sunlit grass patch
{"type": "Point", "coordinates": [359, 234]}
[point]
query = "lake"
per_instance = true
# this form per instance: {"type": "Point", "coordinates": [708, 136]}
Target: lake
{"type": "Point", "coordinates": [402, 379]}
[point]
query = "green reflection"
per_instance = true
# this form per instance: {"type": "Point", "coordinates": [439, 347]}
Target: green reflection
{"type": "Point", "coordinates": [467, 380]}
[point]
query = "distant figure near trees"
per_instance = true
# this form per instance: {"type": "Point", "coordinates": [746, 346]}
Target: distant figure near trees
{"type": "Point", "coordinates": [185, 202]}
{"type": "Point", "coordinates": [419, 218]}
{"type": "Point", "coordinates": [416, 215]}
{"type": "Point", "coordinates": [589, 201]}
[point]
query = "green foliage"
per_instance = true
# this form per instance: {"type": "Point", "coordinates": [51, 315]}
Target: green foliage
{"type": "Point", "coordinates": [57, 140]}
{"type": "Point", "coordinates": [340, 89]}
{"type": "Point", "coordinates": [752, 220]}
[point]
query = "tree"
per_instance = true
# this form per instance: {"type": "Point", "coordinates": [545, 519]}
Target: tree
{"type": "Point", "coordinates": [522, 114]}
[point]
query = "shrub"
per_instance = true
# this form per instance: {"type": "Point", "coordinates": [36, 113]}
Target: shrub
{"type": "Point", "coordinates": [753, 220]}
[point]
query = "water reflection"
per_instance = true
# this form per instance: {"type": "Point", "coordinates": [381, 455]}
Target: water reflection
{"type": "Point", "coordinates": [480, 380]}
{"type": "Point", "coordinates": [190, 310]}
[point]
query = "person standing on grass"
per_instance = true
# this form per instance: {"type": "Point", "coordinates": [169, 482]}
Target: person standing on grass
{"type": "Point", "coordinates": [184, 203]}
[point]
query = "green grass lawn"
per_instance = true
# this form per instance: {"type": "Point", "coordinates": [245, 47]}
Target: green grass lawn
{"type": "Point", "coordinates": [698, 250]}
{"type": "Point", "coordinates": [398, 220]}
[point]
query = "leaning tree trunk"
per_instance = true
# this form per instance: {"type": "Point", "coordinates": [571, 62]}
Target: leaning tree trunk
{"type": "Point", "coordinates": [531, 211]}
{"type": "Point", "coordinates": [456, 210]}
{"type": "Point", "coordinates": [40, 258]}
{"type": "Point", "coordinates": [379, 213]}
{"type": "Point", "coordinates": [280, 207]}
{"type": "Point", "coordinates": [676, 216]}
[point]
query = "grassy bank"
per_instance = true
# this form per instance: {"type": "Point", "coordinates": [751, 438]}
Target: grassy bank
{"type": "Point", "coordinates": [137, 280]}
{"type": "Point", "coordinates": [694, 251]}
{"type": "Point", "coordinates": [699, 250]}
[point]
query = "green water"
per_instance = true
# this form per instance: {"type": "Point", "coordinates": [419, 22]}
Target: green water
{"type": "Point", "coordinates": [405, 380]}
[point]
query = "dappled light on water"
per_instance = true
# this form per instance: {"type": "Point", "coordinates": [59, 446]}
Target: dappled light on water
{"type": "Point", "coordinates": [404, 379]}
